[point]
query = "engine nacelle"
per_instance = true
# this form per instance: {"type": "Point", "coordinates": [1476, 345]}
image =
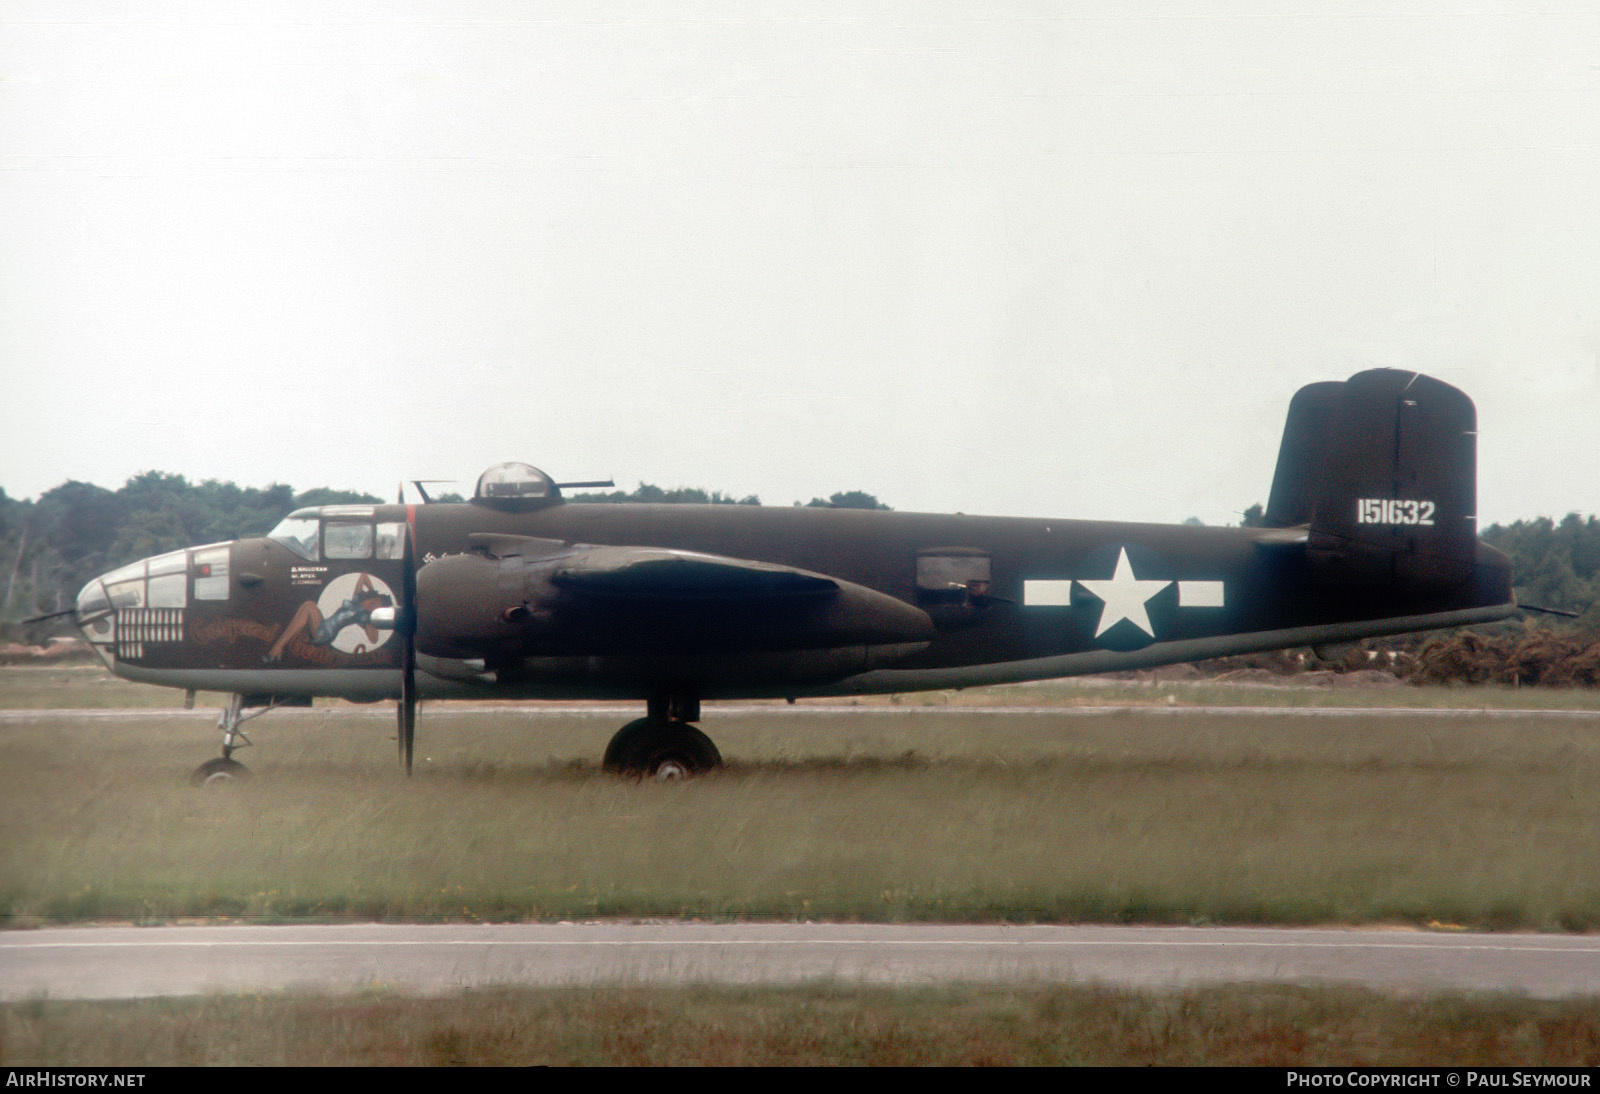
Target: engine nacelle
{"type": "Point", "coordinates": [518, 597]}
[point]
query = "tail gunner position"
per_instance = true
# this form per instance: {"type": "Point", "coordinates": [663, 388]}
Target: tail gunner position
{"type": "Point", "coordinates": [1370, 530]}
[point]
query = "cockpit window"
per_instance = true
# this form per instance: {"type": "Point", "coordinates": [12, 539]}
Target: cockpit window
{"type": "Point", "coordinates": [175, 563]}
{"type": "Point", "coordinates": [211, 572]}
{"type": "Point", "coordinates": [952, 575]}
{"type": "Point", "coordinates": [946, 571]}
{"type": "Point", "coordinates": [391, 541]}
{"type": "Point", "coordinates": [127, 594]}
{"type": "Point", "coordinates": [93, 600]}
{"type": "Point", "coordinates": [346, 540]}
{"type": "Point", "coordinates": [298, 533]}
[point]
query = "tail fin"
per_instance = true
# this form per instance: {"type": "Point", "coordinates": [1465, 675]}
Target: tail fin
{"type": "Point", "coordinates": [1383, 467]}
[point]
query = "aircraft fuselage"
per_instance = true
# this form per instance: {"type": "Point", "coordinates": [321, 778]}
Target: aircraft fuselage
{"type": "Point", "coordinates": [1005, 599]}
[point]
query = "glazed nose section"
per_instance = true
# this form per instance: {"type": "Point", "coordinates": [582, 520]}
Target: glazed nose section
{"type": "Point", "coordinates": [93, 610]}
{"type": "Point", "coordinates": [92, 602]}
{"type": "Point", "coordinates": [143, 605]}
{"type": "Point", "coordinates": [97, 620]}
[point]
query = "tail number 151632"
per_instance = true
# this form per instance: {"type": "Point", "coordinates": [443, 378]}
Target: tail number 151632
{"type": "Point", "coordinates": [1393, 511]}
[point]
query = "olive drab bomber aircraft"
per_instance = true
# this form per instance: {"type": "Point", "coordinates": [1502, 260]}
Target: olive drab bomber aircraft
{"type": "Point", "coordinates": [1370, 529]}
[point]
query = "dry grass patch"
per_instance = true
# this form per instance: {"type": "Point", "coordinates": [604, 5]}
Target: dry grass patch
{"type": "Point", "coordinates": [813, 1025]}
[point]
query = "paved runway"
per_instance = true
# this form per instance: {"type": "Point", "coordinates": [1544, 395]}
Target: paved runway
{"type": "Point", "coordinates": [137, 962]}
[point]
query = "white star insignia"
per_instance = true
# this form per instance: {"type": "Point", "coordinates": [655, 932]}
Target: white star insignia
{"type": "Point", "coordinates": [1125, 597]}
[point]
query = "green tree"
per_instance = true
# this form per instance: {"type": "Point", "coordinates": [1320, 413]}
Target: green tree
{"type": "Point", "coordinates": [322, 495]}
{"type": "Point", "coordinates": [80, 521]}
{"type": "Point", "coordinates": [234, 511]}
{"type": "Point", "coordinates": [1554, 565]}
{"type": "Point", "coordinates": [849, 499]}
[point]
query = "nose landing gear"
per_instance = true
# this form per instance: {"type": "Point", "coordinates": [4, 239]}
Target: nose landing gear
{"type": "Point", "coordinates": [225, 769]}
{"type": "Point", "coordinates": [219, 771]}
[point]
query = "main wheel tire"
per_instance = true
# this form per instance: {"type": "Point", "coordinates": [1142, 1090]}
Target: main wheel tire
{"type": "Point", "coordinates": [219, 772]}
{"type": "Point", "coordinates": [655, 750]}
{"type": "Point", "coordinates": [623, 741]}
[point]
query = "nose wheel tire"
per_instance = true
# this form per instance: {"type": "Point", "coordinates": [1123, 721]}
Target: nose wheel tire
{"type": "Point", "coordinates": [661, 750]}
{"type": "Point", "coordinates": [219, 772]}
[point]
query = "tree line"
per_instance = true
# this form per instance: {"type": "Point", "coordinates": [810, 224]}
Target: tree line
{"type": "Point", "coordinates": [1554, 564]}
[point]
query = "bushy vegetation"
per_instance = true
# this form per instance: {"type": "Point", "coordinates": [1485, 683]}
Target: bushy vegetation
{"type": "Point", "coordinates": [1515, 653]}
{"type": "Point", "coordinates": [1519, 656]}
{"type": "Point", "coordinates": [1556, 565]}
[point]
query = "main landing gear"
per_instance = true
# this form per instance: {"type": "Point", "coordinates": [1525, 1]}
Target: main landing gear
{"type": "Point", "coordinates": [663, 745]}
{"type": "Point", "coordinates": [225, 769]}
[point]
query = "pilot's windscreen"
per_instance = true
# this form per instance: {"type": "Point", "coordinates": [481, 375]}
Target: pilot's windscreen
{"type": "Point", "coordinates": [299, 534]}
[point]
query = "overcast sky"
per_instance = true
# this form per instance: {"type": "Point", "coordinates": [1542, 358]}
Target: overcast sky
{"type": "Point", "coordinates": [1024, 257]}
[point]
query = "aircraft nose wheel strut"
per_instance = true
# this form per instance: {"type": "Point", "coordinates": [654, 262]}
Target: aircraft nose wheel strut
{"type": "Point", "coordinates": [663, 745]}
{"type": "Point", "coordinates": [224, 768]}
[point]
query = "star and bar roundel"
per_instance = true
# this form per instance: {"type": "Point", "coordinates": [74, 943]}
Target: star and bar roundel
{"type": "Point", "coordinates": [1124, 597]}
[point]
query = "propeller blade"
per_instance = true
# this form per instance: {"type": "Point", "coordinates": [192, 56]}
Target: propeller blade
{"type": "Point", "coordinates": [406, 632]}
{"type": "Point", "coordinates": [408, 704]}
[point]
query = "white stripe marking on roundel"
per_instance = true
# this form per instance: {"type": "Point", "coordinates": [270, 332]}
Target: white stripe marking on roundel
{"type": "Point", "coordinates": [1047, 594]}
{"type": "Point", "coordinates": [1200, 594]}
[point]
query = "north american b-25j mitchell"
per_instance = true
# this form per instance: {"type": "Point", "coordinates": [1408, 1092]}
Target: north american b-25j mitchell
{"type": "Point", "coordinates": [1370, 529]}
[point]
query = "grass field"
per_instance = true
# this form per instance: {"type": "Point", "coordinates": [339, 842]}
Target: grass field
{"type": "Point", "coordinates": [816, 1025]}
{"type": "Point", "coordinates": [951, 815]}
